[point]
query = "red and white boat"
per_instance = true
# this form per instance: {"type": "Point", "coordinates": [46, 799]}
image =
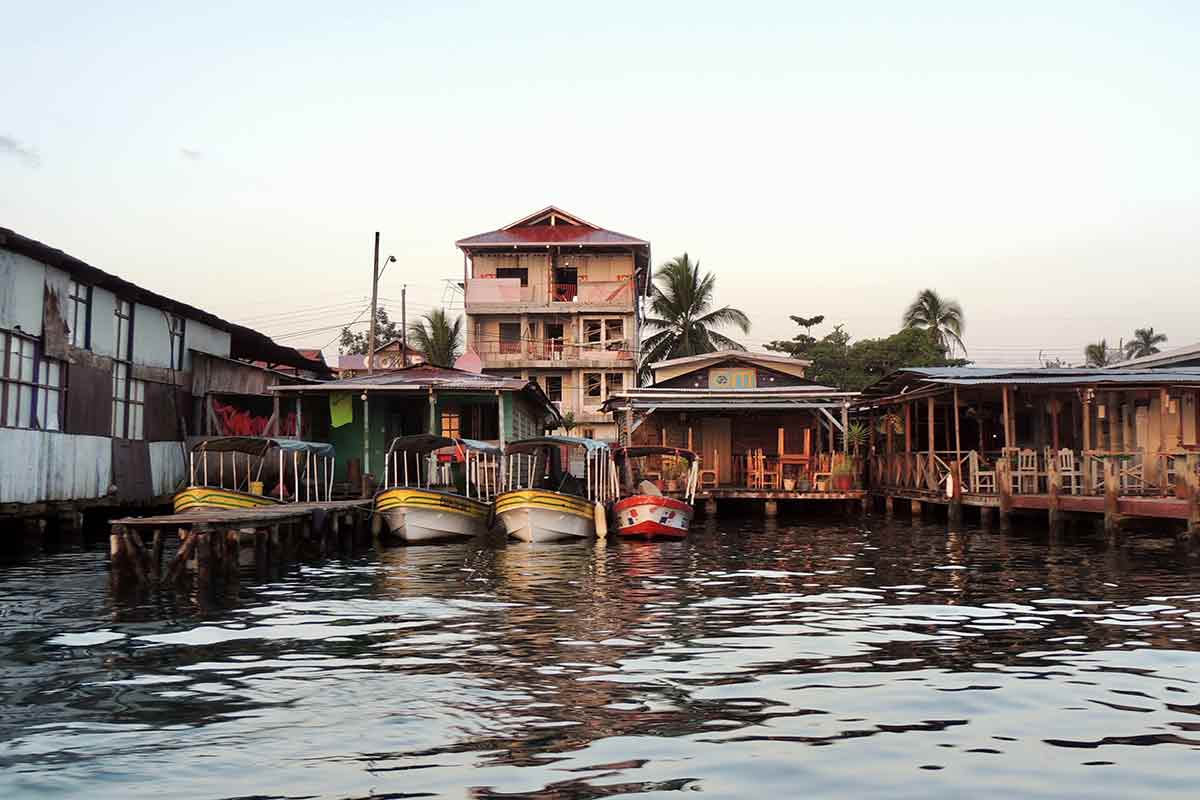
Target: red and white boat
{"type": "Point", "coordinates": [650, 505]}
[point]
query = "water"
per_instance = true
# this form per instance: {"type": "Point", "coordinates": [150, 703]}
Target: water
{"type": "Point", "coordinates": [752, 660]}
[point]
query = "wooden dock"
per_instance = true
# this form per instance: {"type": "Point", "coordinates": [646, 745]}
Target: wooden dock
{"type": "Point", "coordinates": [771, 498]}
{"type": "Point", "coordinates": [215, 544]}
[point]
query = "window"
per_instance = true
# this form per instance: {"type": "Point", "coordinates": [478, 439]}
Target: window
{"type": "Point", "coordinates": [593, 331]}
{"type": "Point", "coordinates": [451, 424]}
{"type": "Point", "coordinates": [510, 337]}
{"type": "Point", "coordinates": [178, 326]}
{"type": "Point", "coordinates": [589, 433]}
{"type": "Point", "coordinates": [593, 388]}
{"type": "Point", "coordinates": [514, 272]}
{"type": "Point", "coordinates": [79, 314]}
{"type": "Point", "coordinates": [614, 334]}
{"type": "Point", "coordinates": [31, 387]}
{"type": "Point", "coordinates": [123, 331]}
{"type": "Point", "coordinates": [129, 395]}
{"type": "Point", "coordinates": [554, 388]}
{"type": "Point", "coordinates": [614, 382]}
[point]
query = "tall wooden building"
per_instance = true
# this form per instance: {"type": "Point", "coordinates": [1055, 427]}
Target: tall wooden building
{"type": "Point", "coordinates": [554, 298]}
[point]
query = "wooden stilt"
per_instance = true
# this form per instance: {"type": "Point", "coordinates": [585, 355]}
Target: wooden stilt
{"type": "Point", "coordinates": [204, 551]}
{"type": "Point", "coordinates": [1192, 471]}
{"type": "Point", "coordinates": [1054, 479]}
{"type": "Point", "coordinates": [889, 507]}
{"type": "Point", "coordinates": [1004, 487]}
{"type": "Point", "coordinates": [916, 507]}
{"type": "Point", "coordinates": [770, 508]}
{"type": "Point", "coordinates": [233, 548]}
{"type": "Point", "coordinates": [1112, 483]}
{"type": "Point", "coordinates": [262, 563]}
{"type": "Point", "coordinates": [276, 544]}
{"type": "Point", "coordinates": [158, 554]}
{"type": "Point", "coordinates": [956, 473]}
{"type": "Point", "coordinates": [187, 546]}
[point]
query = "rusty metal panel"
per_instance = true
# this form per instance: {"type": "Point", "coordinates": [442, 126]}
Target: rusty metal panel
{"type": "Point", "coordinates": [164, 407]}
{"type": "Point", "coordinates": [38, 466]}
{"type": "Point", "coordinates": [89, 400]}
{"type": "Point", "coordinates": [21, 285]}
{"type": "Point", "coordinates": [167, 467]}
{"type": "Point", "coordinates": [131, 470]}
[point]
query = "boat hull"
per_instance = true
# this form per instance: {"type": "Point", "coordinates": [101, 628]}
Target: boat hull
{"type": "Point", "coordinates": [423, 515]}
{"type": "Point", "coordinates": [195, 498]}
{"type": "Point", "coordinates": [534, 515]}
{"type": "Point", "coordinates": [647, 515]}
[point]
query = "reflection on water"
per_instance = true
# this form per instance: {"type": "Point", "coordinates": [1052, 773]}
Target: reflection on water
{"type": "Point", "coordinates": [754, 659]}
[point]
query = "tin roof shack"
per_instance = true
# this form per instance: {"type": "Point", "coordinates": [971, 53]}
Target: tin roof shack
{"type": "Point", "coordinates": [554, 298]}
{"type": "Point", "coordinates": [233, 398]}
{"type": "Point", "coordinates": [1112, 441]}
{"type": "Point", "coordinates": [419, 399]}
{"type": "Point", "coordinates": [763, 430]}
{"type": "Point", "coordinates": [95, 382]}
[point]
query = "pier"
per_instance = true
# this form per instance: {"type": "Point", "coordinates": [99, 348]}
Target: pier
{"type": "Point", "coordinates": [215, 544]}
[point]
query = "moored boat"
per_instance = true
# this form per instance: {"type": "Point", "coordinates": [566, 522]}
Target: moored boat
{"type": "Point", "coordinates": [556, 487]}
{"type": "Point", "coordinates": [642, 508]}
{"type": "Point", "coordinates": [437, 487]}
{"type": "Point", "coordinates": [243, 472]}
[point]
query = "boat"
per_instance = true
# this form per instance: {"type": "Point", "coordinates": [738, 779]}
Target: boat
{"type": "Point", "coordinates": [556, 487]}
{"type": "Point", "coordinates": [643, 509]}
{"type": "Point", "coordinates": [438, 487]}
{"type": "Point", "coordinates": [233, 471]}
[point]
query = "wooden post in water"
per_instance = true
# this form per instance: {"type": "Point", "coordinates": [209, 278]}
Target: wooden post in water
{"type": "Point", "coordinates": [233, 548]}
{"type": "Point", "coordinates": [931, 481]}
{"type": "Point", "coordinates": [1112, 484]}
{"type": "Point", "coordinates": [262, 558]}
{"type": "Point", "coordinates": [204, 548]}
{"type": "Point", "coordinates": [276, 545]}
{"type": "Point", "coordinates": [1192, 472]}
{"type": "Point", "coordinates": [1054, 479]}
{"type": "Point", "coordinates": [158, 555]}
{"type": "Point", "coordinates": [956, 473]}
{"type": "Point", "coordinates": [1004, 487]}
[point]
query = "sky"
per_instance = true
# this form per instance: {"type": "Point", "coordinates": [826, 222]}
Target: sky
{"type": "Point", "coordinates": [1038, 162]}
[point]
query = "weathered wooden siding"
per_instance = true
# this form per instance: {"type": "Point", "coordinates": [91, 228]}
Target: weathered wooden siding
{"type": "Point", "coordinates": [222, 376]}
{"type": "Point", "coordinates": [37, 466]}
{"type": "Point", "coordinates": [89, 400]}
{"type": "Point", "coordinates": [165, 405]}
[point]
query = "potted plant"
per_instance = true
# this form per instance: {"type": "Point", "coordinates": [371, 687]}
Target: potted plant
{"type": "Point", "coordinates": [843, 476]}
{"type": "Point", "coordinates": [803, 484]}
{"type": "Point", "coordinates": [789, 484]}
{"type": "Point", "coordinates": [674, 471]}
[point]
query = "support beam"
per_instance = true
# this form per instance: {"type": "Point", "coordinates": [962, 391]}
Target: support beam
{"type": "Point", "coordinates": [956, 473]}
{"type": "Point", "coordinates": [1054, 479]}
{"type": "Point", "coordinates": [1004, 487]}
{"type": "Point", "coordinates": [1192, 478]}
{"type": "Point", "coordinates": [1112, 484]}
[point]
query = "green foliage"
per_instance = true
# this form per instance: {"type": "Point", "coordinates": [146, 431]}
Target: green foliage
{"type": "Point", "coordinates": [355, 343]}
{"type": "Point", "coordinates": [1144, 343]}
{"type": "Point", "coordinates": [436, 338]}
{"type": "Point", "coordinates": [857, 436]}
{"type": "Point", "coordinates": [568, 422]}
{"type": "Point", "coordinates": [853, 366]}
{"type": "Point", "coordinates": [682, 314]}
{"type": "Point", "coordinates": [1098, 354]}
{"type": "Point", "coordinates": [941, 318]}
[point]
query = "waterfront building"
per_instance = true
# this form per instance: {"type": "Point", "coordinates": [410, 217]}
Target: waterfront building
{"type": "Point", "coordinates": [418, 399]}
{"type": "Point", "coordinates": [763, 430]}
{"type": "Point", "coordinates": [99, 386]}
{"type": "Point", "coordinates": [555, 299]}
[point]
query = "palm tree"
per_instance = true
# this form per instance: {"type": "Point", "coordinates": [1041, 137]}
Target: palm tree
{"type": "Point", "coordinates": [436, 338]}
{"type": "Point", "coordinates": [681, 310]}
{"type": "Point", "coordinates": [942, 318]}
{"type": "Point", "coordinates": [1097, 355]}
{"type": "Point", "coordinates": [1144, 343]}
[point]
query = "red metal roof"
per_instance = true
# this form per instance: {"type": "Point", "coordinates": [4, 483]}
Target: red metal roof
{"type": "Point", "coordinates": [533, 231]}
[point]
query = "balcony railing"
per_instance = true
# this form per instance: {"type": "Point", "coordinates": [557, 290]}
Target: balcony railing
{"type": "Point", "coordinates": [509, 291]}
{"type": "Point", "coordinates": [551, 350]}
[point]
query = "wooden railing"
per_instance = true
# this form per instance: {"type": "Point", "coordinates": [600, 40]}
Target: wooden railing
{"type": "Point", "coordinates": [1135, 473]}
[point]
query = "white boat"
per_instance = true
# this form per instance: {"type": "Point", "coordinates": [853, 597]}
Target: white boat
{"type": "Point", "coordinates": [556, 488]}
{"type": "Point", "coordinates": [239, 472]}
{"type": "Point", "coordinates": [437, 487]}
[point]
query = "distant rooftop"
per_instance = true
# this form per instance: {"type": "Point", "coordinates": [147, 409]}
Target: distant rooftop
{"type": "Point", "coordinates": [551, 226]}
{"type": "Point", "coordinates": [1176, 357]}
{"type": "Point", "coordinates": [906, 380]}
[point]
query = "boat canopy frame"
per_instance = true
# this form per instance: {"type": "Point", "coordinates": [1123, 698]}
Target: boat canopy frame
{"type": "Point", "coordinates": [481, 465]}
{"type": "Point", "coordinates": [622, 456]}
{"type": "Point", "coordinates": [536, 464]}
{"type": "Point", "coordinates": [318, 465]}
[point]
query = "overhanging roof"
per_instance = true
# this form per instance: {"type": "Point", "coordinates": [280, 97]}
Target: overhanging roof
{"type": "Point", "coordinates": [913, 379]}
{"type": "Point", "coordinates": [789, 398]}
{"type": "Point", "coordinates": [244, 342]}
{"type": "Point", "coordinates": [1191, 353]}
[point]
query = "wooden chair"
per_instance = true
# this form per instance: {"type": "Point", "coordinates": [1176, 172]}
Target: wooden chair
{"type": "Point", "coordinates": [1069, 472]}
{"type": "Point", "coordinates": [753, 481]}
{"type": "Point", "coordinates": [710, 478]}
{"type": "Point", "coordinates": [982, 481]}
{"type": "Point", "coordinates": [767, 478]}
{"type": "Point", "coordinates": [1025, 476]}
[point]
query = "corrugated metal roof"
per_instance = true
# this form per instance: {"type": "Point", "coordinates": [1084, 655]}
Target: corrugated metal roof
{"type": "Point", "coordinates": [536, 235]}
{"type": "Point", "coordinates": [904, 379]}
{"type": "Point", "coordinates": [423, 376]}
{"type": "Point", "coordinates": [1163, 359]}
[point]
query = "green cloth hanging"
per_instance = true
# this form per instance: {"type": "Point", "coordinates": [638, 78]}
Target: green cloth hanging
{"type": "Point", "coordinates": [341, 408]}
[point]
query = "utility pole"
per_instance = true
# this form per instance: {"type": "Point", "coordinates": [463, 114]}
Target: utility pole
{"type": "Point", "coordinates": [404, 325]}
{"type": "Point", "coordinates": [374, 306]}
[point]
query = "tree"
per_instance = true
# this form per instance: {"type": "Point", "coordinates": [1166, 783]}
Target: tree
{"type": "Point", "coordinates": [942, 318]}
{"type": "Point", "coordinates": [355, 343]}
{"type": "Point", "coordinates": [1144, 343]}
{"type": "Point", "coordinates": [1098, 354]}
{"type": "Point", "coordinates": [682, 313]}
{"type": "Point", "coordinates": [851, 367]}
{"type": "Point", "coordinates": [436, 338]}
{"type": "Point", "coordinates": [801, 342]}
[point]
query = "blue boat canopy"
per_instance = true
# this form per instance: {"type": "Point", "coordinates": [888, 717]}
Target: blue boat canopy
{"type": "Point", "coordinates": [525, 445]}
{"type": "Point", "coordinates": [428, 442]}
{"type": "Point", "coordinates": [259, 445]}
